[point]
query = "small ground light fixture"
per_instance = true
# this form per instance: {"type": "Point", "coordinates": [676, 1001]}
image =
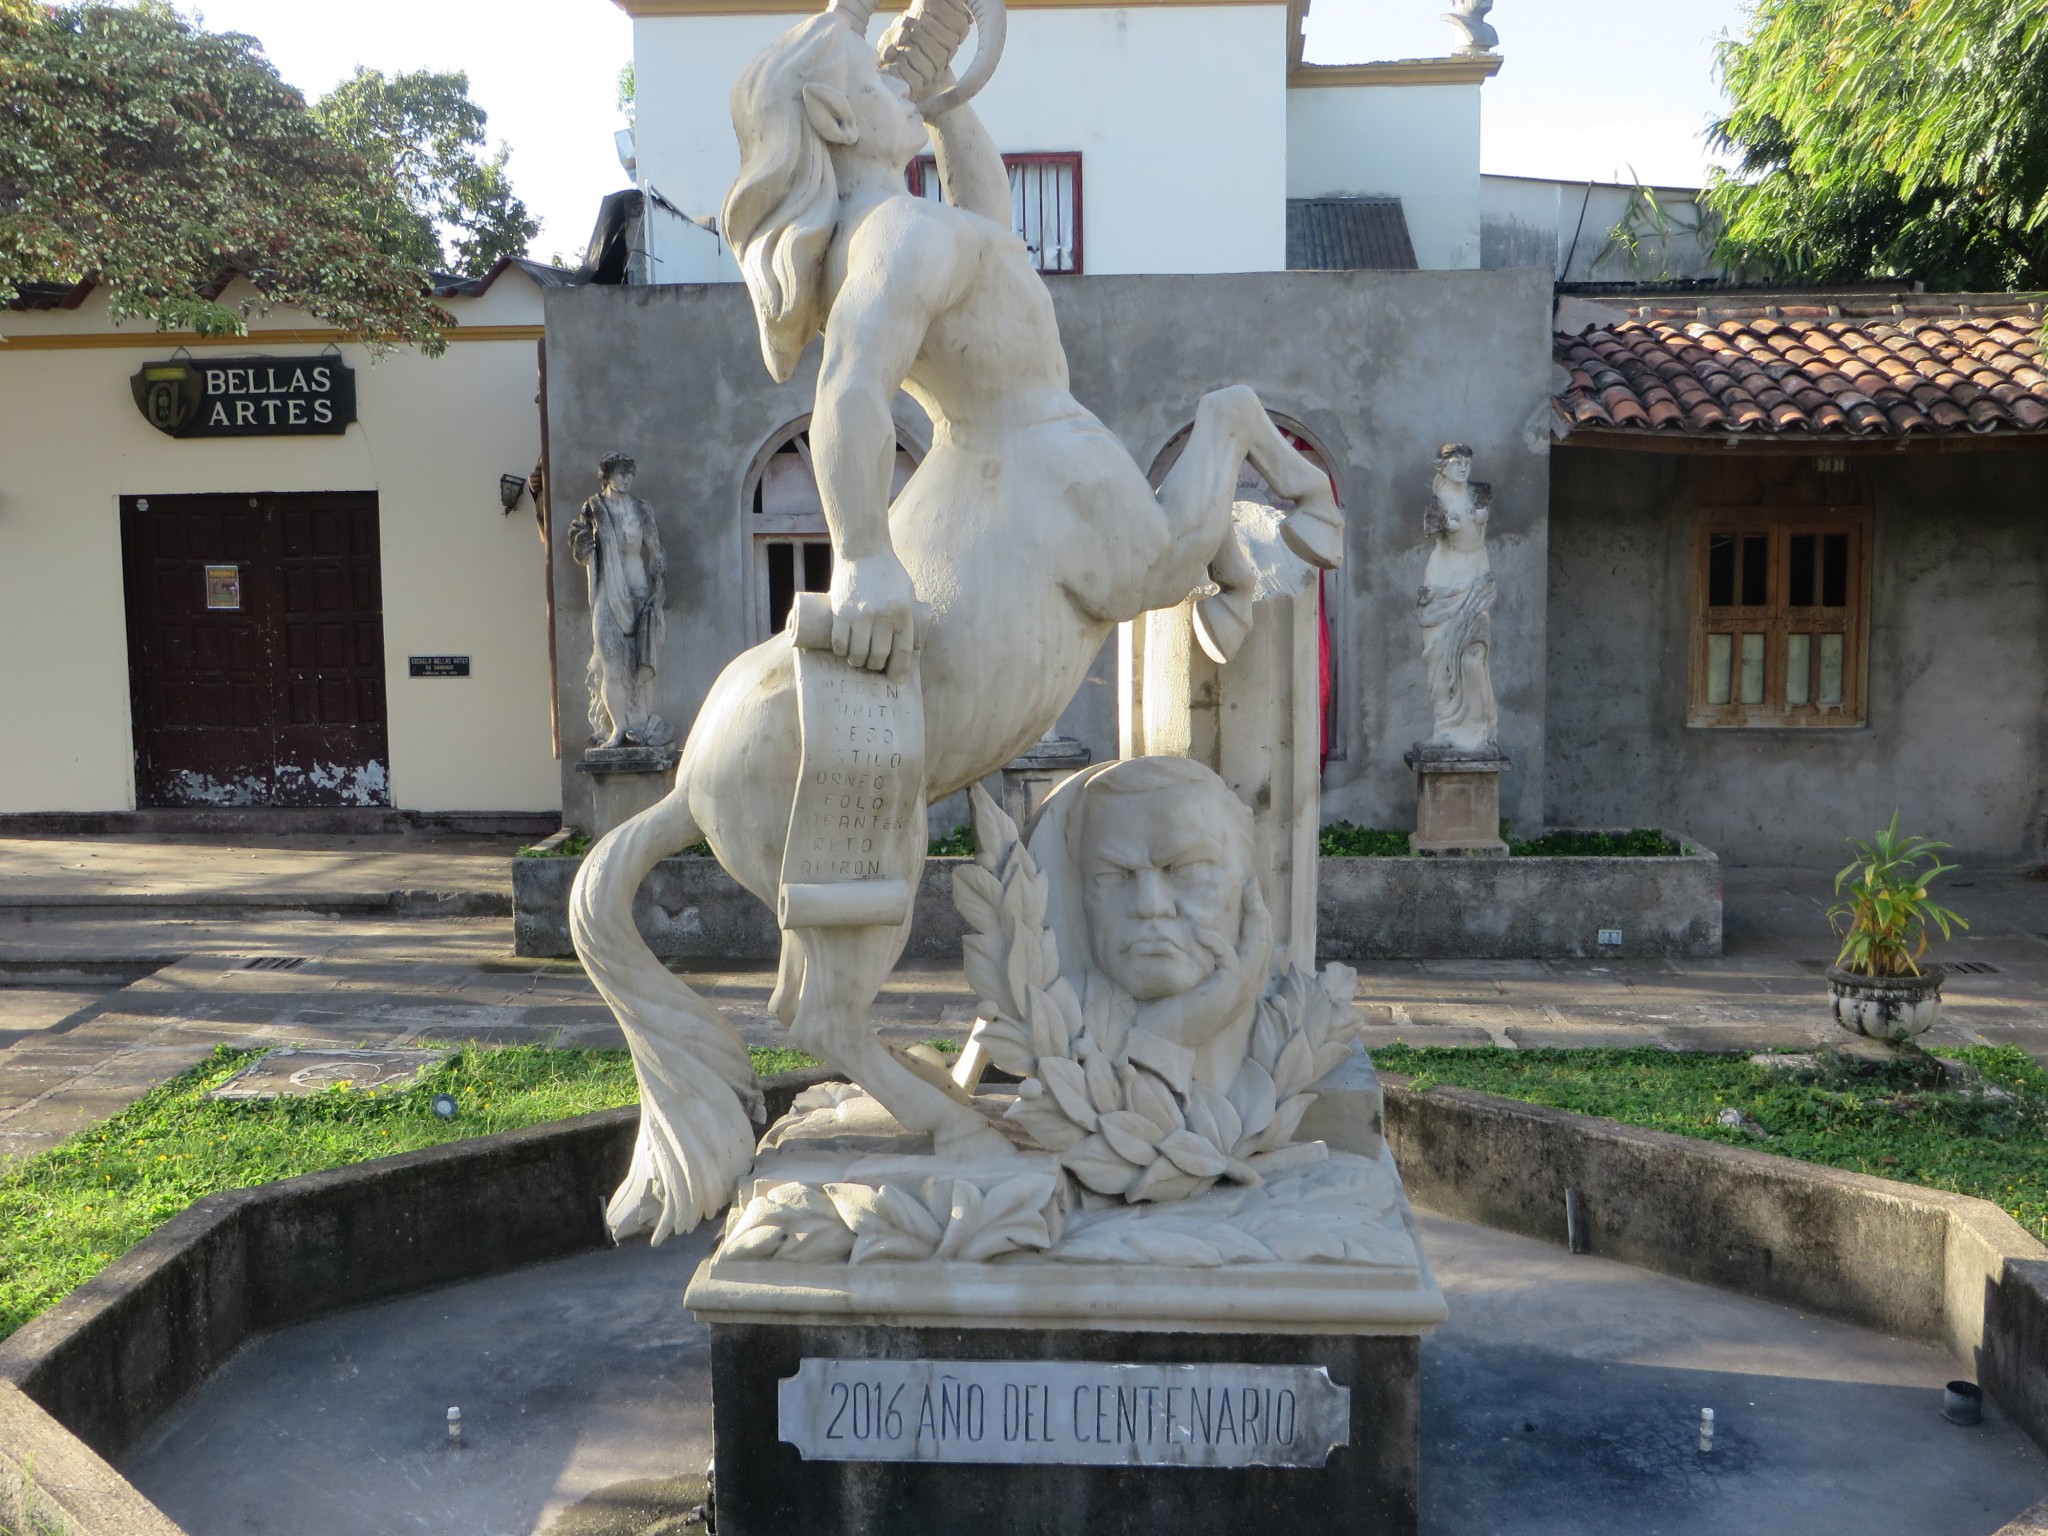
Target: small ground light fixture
{"type": "Point", "coordinates": [444, 1105]}
{"type": "Point", "coordinates": [454, 1425]}
{"type": "Point", "coordinates": [510, 489]}
{"type": "Point", "coordinates": [1706, 1431]}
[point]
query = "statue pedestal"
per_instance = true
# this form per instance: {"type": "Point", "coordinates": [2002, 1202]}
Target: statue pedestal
{"type": "Point", "coordinates": [1458, 809]}
{"type": "Point", "coordinates": [625, 781]}
{"type": "Point", "coordinates": [1141, 1374]}
{"type": "Point", "coordinates": [1037, 772]}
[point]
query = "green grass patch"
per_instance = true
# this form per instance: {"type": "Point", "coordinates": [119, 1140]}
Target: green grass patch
{"type": "Point", "coordinates": [67, 1213]}
{"type": "Point", "coordinates": [572, 847]}
{"type": "Point", "coordinates": [1642, 843]}
{"type": "Point", "coordinates": [1342, 840]}
{"type": "Point", "coordinates": [1880, 1121]}
{"type": "Point", "coordinates": [956, 844]}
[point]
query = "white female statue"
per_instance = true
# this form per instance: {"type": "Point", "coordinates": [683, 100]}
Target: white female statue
{"type": "Point", "coordinates": [1455, 607]}
{"type": "Point", "coordinates": [1026, 535]}
{"type": "Point", "coordinates": [614, 537]}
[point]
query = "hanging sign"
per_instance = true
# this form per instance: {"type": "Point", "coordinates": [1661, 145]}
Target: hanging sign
{"type": "Point", "coordinates": [247, 396]}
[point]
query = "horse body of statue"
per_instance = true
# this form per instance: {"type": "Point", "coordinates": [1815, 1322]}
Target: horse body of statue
{"type": "Point", "coordinates": [1025, 535]}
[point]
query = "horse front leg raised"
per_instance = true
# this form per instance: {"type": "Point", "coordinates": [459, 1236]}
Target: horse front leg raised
{"type": "Point", "coordinates": [1231, 427]}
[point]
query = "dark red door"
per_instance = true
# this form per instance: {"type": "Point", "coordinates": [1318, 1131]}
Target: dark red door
{"type": "Point", "coordinates": [256, 649]}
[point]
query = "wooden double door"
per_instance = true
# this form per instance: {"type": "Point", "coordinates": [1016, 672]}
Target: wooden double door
{"type": "Point", "coordinates": [256, 649]}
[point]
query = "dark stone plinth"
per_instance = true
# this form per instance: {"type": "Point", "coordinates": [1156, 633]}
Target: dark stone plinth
{"type": "Point", "coordinates": [1368, 1488]}
{"type": "Point", "coordinates": [629, 759]}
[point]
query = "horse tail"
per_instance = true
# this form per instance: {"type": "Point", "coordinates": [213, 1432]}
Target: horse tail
{"type": "Point", "coordinates": [696, 1080]}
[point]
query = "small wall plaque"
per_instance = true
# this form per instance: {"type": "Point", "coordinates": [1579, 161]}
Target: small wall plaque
{"type": "Point", "coordinates": [224, 587]}
{"type": "Point", "coordinates": [439, 666]}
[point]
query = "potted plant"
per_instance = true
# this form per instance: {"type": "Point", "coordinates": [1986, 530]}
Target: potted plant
{"type": "Point", "coordinates": [1876, 986]}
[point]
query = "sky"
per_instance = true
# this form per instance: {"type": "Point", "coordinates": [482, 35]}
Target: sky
{"type": "Point", "coordinates": [1610, 90]}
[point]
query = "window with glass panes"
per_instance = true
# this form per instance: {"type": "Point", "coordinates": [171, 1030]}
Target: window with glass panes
{"type": "Point", "coordinates": [786, 516]}
{"type": "Point", "coordinates": [1779, 618]}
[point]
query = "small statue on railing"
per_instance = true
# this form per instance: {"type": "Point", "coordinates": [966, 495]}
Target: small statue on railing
{"type": "Point", "coordinates": [1469, 17]}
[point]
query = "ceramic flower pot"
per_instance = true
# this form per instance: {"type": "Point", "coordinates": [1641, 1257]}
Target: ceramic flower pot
{"type": "Point", "coordinates": [1894, 1008]}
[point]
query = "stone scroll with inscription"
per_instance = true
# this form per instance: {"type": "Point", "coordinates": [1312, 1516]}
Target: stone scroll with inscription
{"type": "Point", "coordinates": [857, 825]}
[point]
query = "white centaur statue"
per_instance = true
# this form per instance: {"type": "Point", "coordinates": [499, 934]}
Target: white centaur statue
{"type": "Point", "coordinates": [1025, 536]}
{"type": "Point", "coordinates": [1455, 607]}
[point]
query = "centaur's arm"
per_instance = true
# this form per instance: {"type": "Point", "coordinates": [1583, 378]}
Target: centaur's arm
{"type": "Point", "coordinates": [903, 267]}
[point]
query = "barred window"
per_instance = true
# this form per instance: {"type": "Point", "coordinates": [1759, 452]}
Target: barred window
{"type": "Point", "coordinates": [1045, 204]}
{"type": "Point", "coordinates": [786, 518]}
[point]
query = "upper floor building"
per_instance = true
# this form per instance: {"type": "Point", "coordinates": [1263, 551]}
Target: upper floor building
{"type": "Point", "coordinates": [1151, 136]}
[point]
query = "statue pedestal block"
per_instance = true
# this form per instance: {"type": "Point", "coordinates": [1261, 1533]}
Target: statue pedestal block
{"type": "Point", "coordinates": [1458, 809]}
{"type": "Point", "coordinates": [1037, 772]}
{"type": "Point", "coordinates": [1139, 1374]}
{"type": "Point", "coordinates": [625, 781]}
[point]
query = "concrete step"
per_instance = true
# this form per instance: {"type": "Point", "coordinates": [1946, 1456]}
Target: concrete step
{"type": "Point", "coordinates": [145, 906]}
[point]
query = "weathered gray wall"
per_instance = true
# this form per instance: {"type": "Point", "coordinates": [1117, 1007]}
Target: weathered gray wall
{"type": "Point", "coordinates": [1958, 654]}
{"type": "Point", "coordinates": [1380, 367]}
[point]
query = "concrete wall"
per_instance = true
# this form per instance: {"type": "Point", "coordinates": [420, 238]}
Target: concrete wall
{"type": "Point", "coordinates": [1567, 227]}
{"type": "Point", "coordinates": [1419, 143]}
{"type": "Point", "coordinates": [1177, 112]}
{"type": "Point", "coordinates": [1379, 368]}
{"type": "Point", "coordinates": [1958, 648]}
{"type": "Point", "coordinates": [458, 575]}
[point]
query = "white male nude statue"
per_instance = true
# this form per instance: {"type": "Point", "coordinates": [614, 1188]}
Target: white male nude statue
{"type": "Point", "coordinates": [1028, 531]}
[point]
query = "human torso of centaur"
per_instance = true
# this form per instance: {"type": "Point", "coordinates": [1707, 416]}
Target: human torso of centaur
{"type": "Point", "coordinates": [1027, 527]}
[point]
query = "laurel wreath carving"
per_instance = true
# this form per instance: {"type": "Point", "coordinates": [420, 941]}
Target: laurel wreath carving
{"type": "Point", "coordinates": [1117, 1104]}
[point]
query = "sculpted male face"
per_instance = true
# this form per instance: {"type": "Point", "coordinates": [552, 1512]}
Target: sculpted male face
{"type": "Point", "coordinates": [1160, 867]}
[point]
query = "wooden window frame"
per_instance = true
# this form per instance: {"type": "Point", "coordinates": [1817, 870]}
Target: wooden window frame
{"type": "Point", "coordinates": [1776, 619]}
{"type": "Point", "coordinates": [926, 167]}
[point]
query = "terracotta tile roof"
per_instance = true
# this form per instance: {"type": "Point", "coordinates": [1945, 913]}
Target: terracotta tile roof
{"type": "Point", "coordinates": [1924, 366]}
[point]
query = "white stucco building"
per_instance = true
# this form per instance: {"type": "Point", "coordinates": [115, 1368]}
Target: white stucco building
{"type": "Point", "coordinates": [235, 620]}
{"type": "Point", "coordinates": [1189, 127]}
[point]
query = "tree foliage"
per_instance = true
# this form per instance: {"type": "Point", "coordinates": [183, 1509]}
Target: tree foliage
{"type": "Point", "coordinates": [157, 157]}
{"type": "Point", "coordinates": [422, 137]}
{"type": "Point", "coordinates": [1888, 139]}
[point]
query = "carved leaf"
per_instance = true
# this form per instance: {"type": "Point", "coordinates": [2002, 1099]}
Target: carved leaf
{"type": "Point", "coordinates": [1302, 1243]}
{"type": "Point", "coordinates": [1253, 1097]}
{"type": "Point", "coordinates": [1130, 1135]}
{"type": "Point", "coordinates": [1202, 1121]}
{"type": "Point", "coordinates": [1271, 1030]}
{"type": "Point", "coordinates": [977, 893]}
{"type": "Point", "coordinates": [887, 1223]}
{"type": "Point", "coordinates": [1094, 1163]}
{"type": "Point", "coordinates": [994, 833]}
{"type": "Point", "coordinates": [1150, 1098]}
{"type": "Point", "coordinates": [1280, 1129]}
{"type": "Point", "coordinates": [1295, 1069]}
{"type": "Point", "coordinates": [1228, 1127]}
{"type": "Point", "coordinates": [981, 957]}
{"type": "Point", "coordinates": [1069, 1089]}
{"type": "Point", "coordinates": [1018, 971]}
{"type": "Point", "coordinates": [961, 1202]}
{"type": "Point", "coordinates": [1063, 998]}
{"type": "Point", "coordinates": [1193, 1154]}
{"type": "Point", "coordinates": [1044, 1124]}
{"type": "Point", "coordinates": [1108, 1011]}
{"type": "Point", "coordinates": [1011, 1215]}
{"type": "Point", "coordinates": [1104, 1092]}
{"type": "Point", "coordinates": [1329, 1057]}
{"type": "Point", "coordinates": [1163, 1180]}
{"type": "Point", "coordinates": [1270, 1165]}
{"type": "Point", "coordinates": [1048, 1024]}
{"type": "Point", "coordinates": [825, 1243]}
{"type": "Point", "coordinates": [1036, 890]}
{"type": "Point", "coordinates": [1174, 1062]}
{"type": "Point", "coordinates": [1007, 1044]}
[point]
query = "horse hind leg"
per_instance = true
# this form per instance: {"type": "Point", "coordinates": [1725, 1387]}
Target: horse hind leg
{"type": "Point", "coordinates": [1231, 427]}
